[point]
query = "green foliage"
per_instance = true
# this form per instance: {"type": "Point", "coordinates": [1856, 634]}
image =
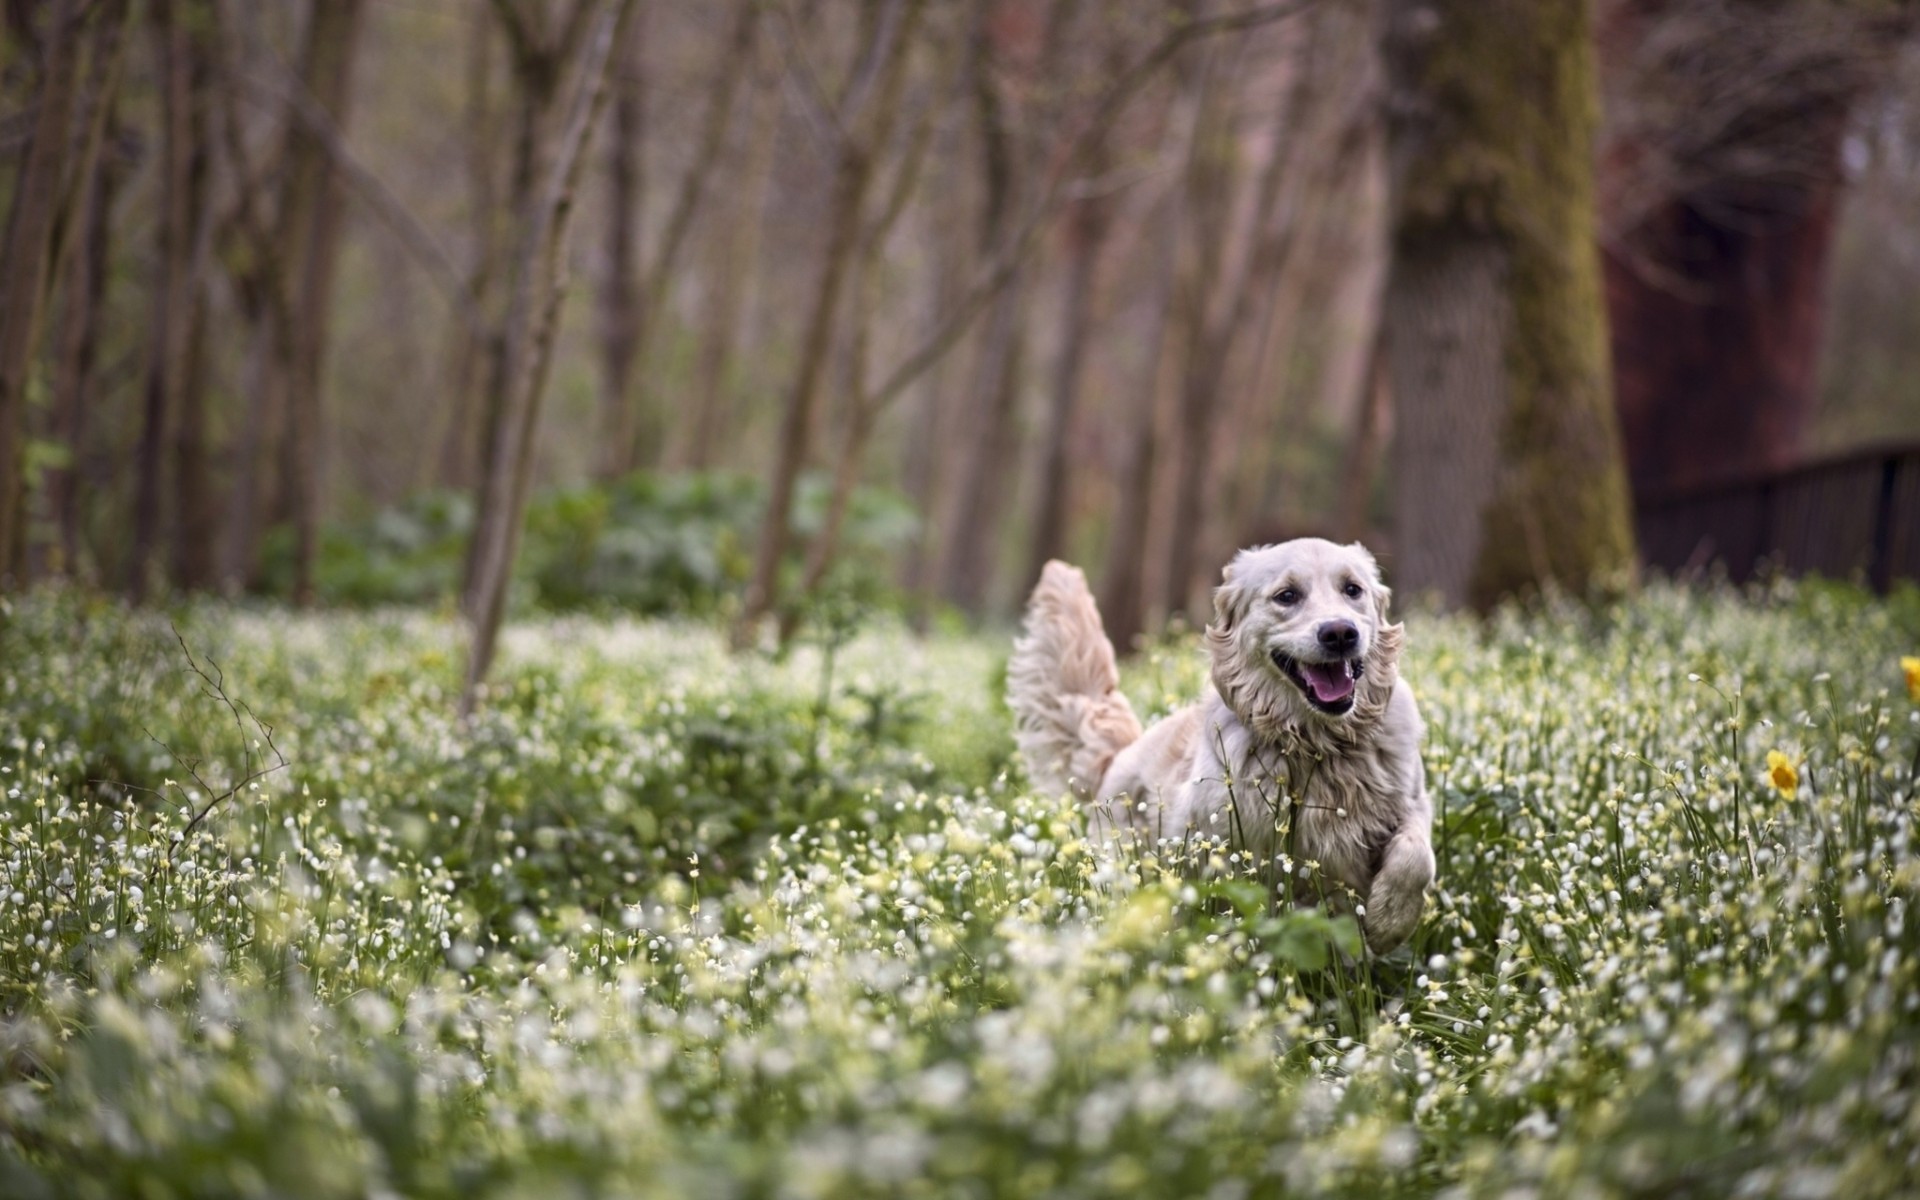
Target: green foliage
{"type": "Point", "coordinates": [648, 544]}
{"type": "Point", "coordinates": [668, 922]}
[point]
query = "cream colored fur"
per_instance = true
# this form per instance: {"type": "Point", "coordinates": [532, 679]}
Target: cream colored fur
{"type": "Point", "coordinates": [1252, 765]}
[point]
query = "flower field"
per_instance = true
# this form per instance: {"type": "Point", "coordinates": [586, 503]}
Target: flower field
{"type": "Point", "coordinates": [667, 922]}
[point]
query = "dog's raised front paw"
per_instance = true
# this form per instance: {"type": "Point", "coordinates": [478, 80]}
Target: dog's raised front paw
{"type": "Point", "coordinates": [1398, 893]}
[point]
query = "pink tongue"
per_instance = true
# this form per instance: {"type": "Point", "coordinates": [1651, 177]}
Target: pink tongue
{"type": "Point", "coordinates": [1329, 681]}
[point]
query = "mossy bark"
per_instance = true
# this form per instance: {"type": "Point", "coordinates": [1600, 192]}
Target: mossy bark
{"type": "Point", "coordinates": [1494, 115]}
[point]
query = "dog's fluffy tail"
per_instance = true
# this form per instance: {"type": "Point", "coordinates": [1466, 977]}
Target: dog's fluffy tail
{"type": "Point", "coordinates": [1063, 686]}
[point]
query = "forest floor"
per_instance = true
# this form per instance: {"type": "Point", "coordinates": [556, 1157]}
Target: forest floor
{"type": "Point", "coordinates": [669, 922]}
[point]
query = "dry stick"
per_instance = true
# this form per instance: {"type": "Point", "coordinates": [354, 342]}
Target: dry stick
{"type": "Point", "coordinates": [214, 686]}
{"type": "Point", "coordinates": [543, 252]}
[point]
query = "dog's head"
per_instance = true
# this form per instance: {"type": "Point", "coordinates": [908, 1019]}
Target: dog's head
{"type": "Point", "coordinates": [1300, 634]}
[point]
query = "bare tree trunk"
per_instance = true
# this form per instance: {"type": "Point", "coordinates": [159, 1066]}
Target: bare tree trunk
{"type": "Point", "coordinates": [864, 122]}
{"type": "Point", "coordinates": [195, 517]}
{"type": "Point", "coordinates": [1363, 448]}
{"type": "Point", "coordinates": [1122, 583]}
{"type": "Point", "coordinates": [85, 286]}
{"type": "Point", "coordinates": [25, 259]}
{"type": "Point", "coordinates": [620, 315]}
{"type": "Point", "coordinates": [176, 302]}
{"type": "Point", "coordinates": [470, 353]}
{"type": "Point", "coordinates": [736, 252]}
{"type": "Point", "coordinates": [923, 468]}
{"type": "Point", "coordinates": [641, 441]}
{"type": "Point", "coordinates": [1087, 225]}
{"type": "Point", "coordinates": [973, 516]}
{"type": "Point", "coordinates": [533, 319]}
{"type": "Point", "coordinates": [1506, 453]}
{"type": "Point", "coordinates": [311, 253]}
{"type": "Point", "coordinates": [970, 530]}
{"type": "Point", "coordinates": [1207, 339]}
{"type": "Point", "coordinates": [536, 68]}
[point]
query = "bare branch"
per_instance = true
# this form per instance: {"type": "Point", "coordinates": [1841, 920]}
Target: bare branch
{"type": "Point", "coordinates": [379, 198]}
{"type": "Point", "coordinates": [1001, 270]}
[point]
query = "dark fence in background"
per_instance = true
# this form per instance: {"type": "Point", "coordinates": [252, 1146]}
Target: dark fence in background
{"type": "Point", "coordinates": [1854, 515]}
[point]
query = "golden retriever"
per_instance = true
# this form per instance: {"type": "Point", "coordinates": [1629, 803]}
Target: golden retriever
{"type": "Point", "coordinates": [1305, 752]}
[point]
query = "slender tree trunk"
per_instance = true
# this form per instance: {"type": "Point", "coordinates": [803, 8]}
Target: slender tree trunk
{"type": "Point", "coordinates": [1363, 448]}
{"type": "Point", "coordinates": [195, 517]}
{"type": "Point", "coordinates": [175, 304]}
{"type": "Point", "coordinates": [645, 444]}
{"type": "Point", "coordinates": [797, 420]}
{"type": "Point", "coordinates": [470, 351]}
{"type": "Point", "coordinates": [736, 252]}
{"type": "Point", "coordinates": [865, 129]}
{"type": "Point", "coordinates": [971, 528]}
{"type": "Point", "coordinates": [536, 100]}
{"type": "Point", "coordinates": [1122, 582]}
{"type": "Point", "coordinates": [923, 467]}
{"type": "Point", "coordinates": [620, 315]}
{"type": "Point", "coordinates": [327, 71]}
{"type": "Point", "coordinates": [1207, 339]}
{"type": "Point", "coordinates": [87, 276]}
{"type": "Point", "coordinates": [979, 499]}
{"type": "Point", "coordinates": [75, 378]}
{"type": "Point", "coordinates": [1087, 225]}
{"type": "Point", "coordinates": [533, 320]}
{"type": "Point", "coordinates": [26, 258]}
{"type": "Point", "coordinates": [1506, 452]}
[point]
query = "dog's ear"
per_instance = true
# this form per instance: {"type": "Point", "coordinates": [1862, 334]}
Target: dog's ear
{"type": "Point", "coordinates": [1382, 594]}
{"type": "Point", "coordinates": [1229, 603]}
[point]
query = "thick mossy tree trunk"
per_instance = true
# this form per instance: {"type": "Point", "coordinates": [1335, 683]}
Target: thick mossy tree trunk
{"type": "Point", "coordinates": [1506, 457]}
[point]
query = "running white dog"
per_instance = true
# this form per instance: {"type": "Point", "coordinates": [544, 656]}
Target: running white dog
{"type": "Point", "coordinates": [1307, 731]}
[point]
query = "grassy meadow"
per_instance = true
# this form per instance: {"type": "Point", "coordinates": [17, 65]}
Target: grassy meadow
{"type": "Point", "coordinates": [668, 922]}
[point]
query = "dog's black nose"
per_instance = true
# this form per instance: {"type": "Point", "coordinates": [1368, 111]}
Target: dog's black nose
{"type": "Point", "coordinates": [1339, 637]}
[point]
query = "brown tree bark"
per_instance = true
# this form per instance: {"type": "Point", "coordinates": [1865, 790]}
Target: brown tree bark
{"type": "Point", "coordinates": [1506, 453]}
{"type": "Point", "coordinates": [735, 249]}
{"type": "Point", "coordinates": [541, 41]}
{"type": "Point", "coordinates": [171, 417]}
{"type": "Point", "coordinates": [631, 424]}
{"type": "Point", "coordinates": [971, 528]}
{"type": "Point", "coordinates": [469, 354]}
{"type": "Point", "coordinates": [310, 229]}
{"type": "Point", "coordinates": [861, 123]}
{"type": "Point", "coordinates": [85, 286]}
{"type": "Point", "coordinates": [1214, 308]}
{"type": "Point", "coordinates": [620, 313]}
{"type": "Point", "coordinates": [1088, 222]}
{"type": "Point", "coordinates": [25, 257]}
{"type": "Point", "coordinates": [1122, 593]}
{"type": "Point", "coordinates": [532, 322]}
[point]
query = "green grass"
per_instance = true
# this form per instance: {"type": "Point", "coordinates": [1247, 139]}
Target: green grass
{"type": "Point", "coordinates": [665, 922]}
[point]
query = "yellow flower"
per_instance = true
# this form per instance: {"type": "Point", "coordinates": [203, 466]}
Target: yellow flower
{"type": "Point", "coordinates": [1910, 667]}
{"type": "Point", "coordinates": [1781, 773]}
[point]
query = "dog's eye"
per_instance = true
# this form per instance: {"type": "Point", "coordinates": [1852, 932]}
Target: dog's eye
{"type": "Point", "coordinates": [1353, 590]}
{"type": "Point", "coordinates": [1286, 596]}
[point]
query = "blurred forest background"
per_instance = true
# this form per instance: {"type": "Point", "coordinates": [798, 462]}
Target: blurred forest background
{"type": "Point", "coordinates": [729, 305]}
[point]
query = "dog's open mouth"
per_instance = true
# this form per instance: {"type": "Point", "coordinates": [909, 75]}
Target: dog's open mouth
{"type": "Point", "coordinates": [1328, 686]}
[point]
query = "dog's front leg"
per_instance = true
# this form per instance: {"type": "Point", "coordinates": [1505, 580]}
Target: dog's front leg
{"type": "Point", "coordinates": [1399, 888]}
